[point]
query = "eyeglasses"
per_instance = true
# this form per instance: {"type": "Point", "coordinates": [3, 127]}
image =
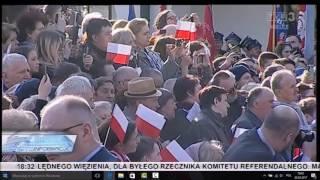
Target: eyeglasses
{"type": "Point", "coordinates": [67, 129]}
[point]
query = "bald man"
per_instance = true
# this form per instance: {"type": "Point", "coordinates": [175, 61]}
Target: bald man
{"type": "Point", "coordinates": [266, 144]}
{"type": "Point", "coordinates": [283, 84]}
{"type": "Point", "coordinates": [73, 115]}
{"type": "Point", "coordinates": [121, 78]}
{"type": "Point", "coordinates": [15, 69]}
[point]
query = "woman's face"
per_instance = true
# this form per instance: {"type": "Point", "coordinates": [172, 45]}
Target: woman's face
{"type": "Point", "coordinates": [101, 40]}
{"type": "Point", "coordinates": [286, 51]}
{"type": "Point", "coordinates": [142, 37]}
{"type": "Point", "coordinates": [33, 61]}
{"type": "Point", "coordinates": [133, 141]}
{"type": "Point", "coordinates": [105, 92]}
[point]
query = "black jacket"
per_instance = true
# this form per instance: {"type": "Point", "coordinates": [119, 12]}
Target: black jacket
{"type": "Point", "coordinates": [103, 155]}
{"type": "Point", "coordinates": [212, 127]}
{"type": "Point", "coordinates": [235, 110]}
{"type": "Point", "coordinates": [250, 148]}
{"type": "Point", "coordinates": [247, 120]}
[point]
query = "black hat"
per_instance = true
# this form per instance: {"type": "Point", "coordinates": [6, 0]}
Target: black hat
{"type": "Point", "coordinates": [253, 44]}
{"type": "Point", "coordinates": [233, 38]}
{"type": "Point", "coordinates": [244, 43]}
{"type": "Point", "coordinates": [218, 36]}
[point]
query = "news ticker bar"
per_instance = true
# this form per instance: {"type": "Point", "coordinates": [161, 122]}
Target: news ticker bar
{"type": "Point", "coordinates": [161, 166]}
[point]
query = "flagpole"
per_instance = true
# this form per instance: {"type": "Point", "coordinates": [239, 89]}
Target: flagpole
{"type": "Point", "coordinates": [107, 135]}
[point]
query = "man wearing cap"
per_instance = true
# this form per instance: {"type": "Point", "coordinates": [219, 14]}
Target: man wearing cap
{"type": "Point", "coordinates": [253, 49]}
{"type": "Point", "coordinates": [218, 37]}
{"type": "Point", "coordinates": [242, 75]}
{"type": "Point", "coordinates": [233, 43]}
{"type": "Point", "coordinates": [141, 90]}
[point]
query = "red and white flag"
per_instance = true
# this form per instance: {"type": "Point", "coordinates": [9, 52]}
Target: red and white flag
{"type": "Point", "coordinates": [119, 123]}
{"type": "Point", "coordinates": [186, 30]}
{"type": "Point", "coordinates": [173, 152]}
{"type": "Point", "coordinates": [149, 122]}
{"type": "Point", "coordinates": [118, 53]}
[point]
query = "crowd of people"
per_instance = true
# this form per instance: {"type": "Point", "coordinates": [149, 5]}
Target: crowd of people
{"type": "Point", "coordinates": [227, 101]}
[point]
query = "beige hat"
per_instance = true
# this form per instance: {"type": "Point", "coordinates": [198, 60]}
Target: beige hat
{"type": "Point", "coordinates": [142, 87]}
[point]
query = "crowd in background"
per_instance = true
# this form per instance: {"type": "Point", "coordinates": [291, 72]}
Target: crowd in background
{"type": "Point", "coordinates": [248, 104]}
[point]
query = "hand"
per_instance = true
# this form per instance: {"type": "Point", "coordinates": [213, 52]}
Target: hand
{"type": "Point", "coordinates": [309, 149]}
{"type": "Point", "coordinates": [44, 87]}
{"type": "Point", "coordinates": [67, 48]}
{"type": "Point", "coordinates": [229, 61]}
{"type": "Point", "coordinates": [87, 61]}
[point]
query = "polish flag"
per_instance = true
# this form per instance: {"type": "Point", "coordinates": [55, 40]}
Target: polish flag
{"type": "Point", "coordinates": [186, 30]}
{"type": "Point", "coordinates": [119, 123]}
{"type": "Point", "coordinates": [173, 152]}
{"type": "Point", "coordinates": [149, 122]}
{"type": "Point", "coordinates": [118, 53]}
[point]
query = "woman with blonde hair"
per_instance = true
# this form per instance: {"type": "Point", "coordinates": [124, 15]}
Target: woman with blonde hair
{"type": "Point", "coordinates": [49, 48]}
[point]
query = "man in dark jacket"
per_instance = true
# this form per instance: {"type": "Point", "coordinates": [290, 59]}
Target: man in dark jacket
{"type": "Point", "coordinates": [266, 144]}
{"type": "Point", "coordinates": [73, 115]}
{"type": "Point", "coordinates": [259, 105]}
{"type": "Point", "coordinates": [214, 107]}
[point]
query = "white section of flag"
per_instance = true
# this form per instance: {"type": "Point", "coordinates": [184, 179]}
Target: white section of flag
{"type": "Point", "coordinates": [119, 48]}
{"type": "Point", "coordinates": [186, 26]}
{"type": "Point", "coordinates": [193, 112]}
{"type": "Point", "coordinates": [239, 131]}
{"type": "Point", "coordinates": [153, 118]}
{"type": "Point", "coordinates": [178, 152]}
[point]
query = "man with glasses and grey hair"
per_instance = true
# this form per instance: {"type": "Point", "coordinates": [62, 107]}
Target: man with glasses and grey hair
{"type": "Point", "coordinates": [73, 115]}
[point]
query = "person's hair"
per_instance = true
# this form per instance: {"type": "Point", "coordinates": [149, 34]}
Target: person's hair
{"type": "Point", "coordinates": [45, 41]}
{"type": "Point", "coordinates": [136, 24]}
{"type": "Point", "coordinates": [297, 36]}
{"type": "Point", "coordinates": [256, 93]}
{"type": "Point", "coordinates": [86, 75]}
{"type": "Point", "coordinates": [6, 102]}
{"type": "Point", "coordinates": [210, 151]}
{"type": "Point", "coordinates": [279, 122]}
{"type": "Point", "coordinates": [272, 69]}
{"type": "Point", "coordinates": [284, 61]}
{"type": "Point", "coordinates": [266, 82]}
{"type": "Point", "coordinates": [264, 56]}
{"type": "Point", "coordinates": [164, 98]}
{"type": "Point", "coordinates": [26, 23]}
{"type": "Point", "coordinates": [169, 84]}
{"type": "Point", "coordinates": [120, 71]}
{"type": "Point", "coordinates": [74, 85]}
{"type": "Point", "coordinates": [94, 27]}
{"type": "Point", "coordinates": [25, 50]}
{"type": "Point", "coordinates": [123, 36]}
{"type": "Point", "coordinates": [113, 139]}
{"type": "Point", "coordinates": [153, 73]}
{"type": "Point", "coordinates": [11, 13]}
{"type": "Point", "coordinates": [87, 18]}
{"type": "Point", "coordinates": [13, 120]}
{"type": "Point", "coordinates": [219, 76]}
{"type": "Point", "coordinates": [217, 61]}
{"type": "Point", "coordinates": [183, 86]}
{"type": "Point", "coordinates": [29, 104]}
{"type": "Point", "coordinates": [144, 148]}
{"type": "Point", "coordinates": [280, 47]}
{"type": "Point", "coordinates": [276, 79]}
{"type": "Point", "coordinates": [100, 81]}
{"type": "Point", "coordinates": [6, 29]}
{"type": "Point", "coordinates": [308, 105]}
{"type": "Point", "coordinates": [209, 93]}
{"type": "Point", "coordinates": [161, 19]}
{"type": "Point", "coordinates": [160, 46]}
{"type": "Point", "coordinates": [51, 10]}
{"type": "Point", "coordinates": [10, 59]}
{"type": "Point", "coordinates": [195, 46]}
{"type": "Point", "coordinates": [121, 23]}
{"type": "Point", "coordinates": [304, 87]}
{"type": "Point", "coordinates": [63, 71]}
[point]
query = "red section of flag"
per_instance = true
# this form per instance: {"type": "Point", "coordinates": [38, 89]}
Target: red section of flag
{"type": "Point", "coordinates": [185, 35]}
{"type": "Point", "coordinates": [272, 31]}
{"type": "Point", "coordinates": [116, 128]}
{"type": "Point", "coordinates": [209, 33]}
{"type": "Point", "coordinates": [146, 128]}
{"type": "Point", "coordinates": [163, 7]}
{"type": "Point", "coordinates": [118, 58]}
{"type": "Point", "coordinates": [167, 156]}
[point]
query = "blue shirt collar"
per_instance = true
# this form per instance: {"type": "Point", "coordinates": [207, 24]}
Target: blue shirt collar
{"type": "Point", "coordinates": [92, 153]}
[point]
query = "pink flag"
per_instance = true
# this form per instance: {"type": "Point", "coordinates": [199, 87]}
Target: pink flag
{"type": "Point", "coordinates": [118, 53]}
{"type": "Point", "coordinates": [119, 123]}
{"type": "Point", "coordinates": [186, 30]}
{"type": "Point", "coordinates": [173, 152]}
{"type": "Point", "coordinates": [149, 122]}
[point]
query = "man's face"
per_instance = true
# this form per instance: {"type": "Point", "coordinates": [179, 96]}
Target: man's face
{"type": "Point", "coordinates": [142, 37]}
{"type": "Point", "coordinates": [105, 92]}
{"type": "Point", "coordinates": [16, 73]}
{"type": "Point", "coordinates": [59, 120]}
{"type": "Point", "coordinates": [294, 42]}
{"type": "Point", "coordinates": [222, 106]}
{"type": "Point", "coordinates": [101, 40]}
{"type": "Point", "coordinates": [288, 89]}
{"type": "Point", "coordinates": [255, 52]}
{"type": "Point", "coordinates": [229, 85]}
{"type": "Point", "coordinates": [264, 103]}
{"type": "Point", "coordinates": [151, 103]}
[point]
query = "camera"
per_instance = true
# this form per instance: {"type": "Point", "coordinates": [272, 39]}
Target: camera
{"type": "Point", "coordinates": [304, 135]}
